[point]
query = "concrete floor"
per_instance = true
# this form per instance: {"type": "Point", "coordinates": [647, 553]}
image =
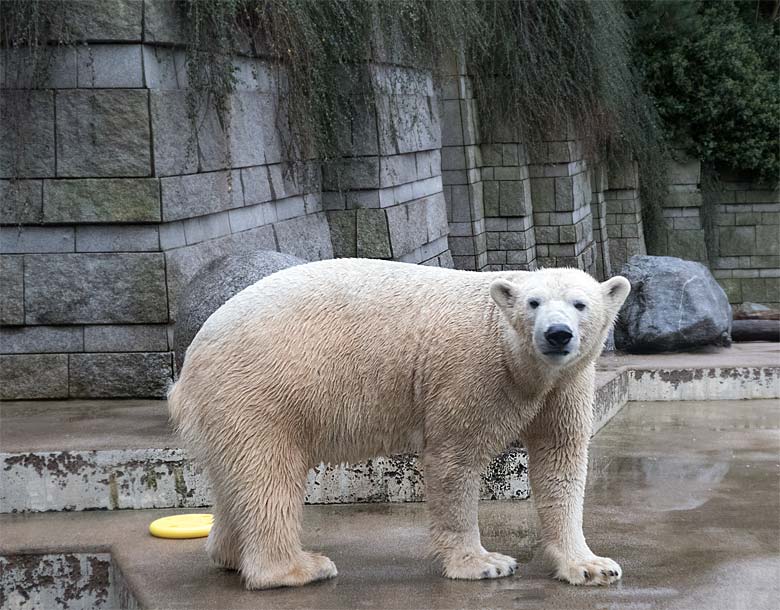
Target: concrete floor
{"type": "Point", "coordinates": [685, 496]}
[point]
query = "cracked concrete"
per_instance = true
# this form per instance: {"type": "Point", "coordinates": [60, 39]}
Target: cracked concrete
{"type": "Point", "coordinates": [685, 495]}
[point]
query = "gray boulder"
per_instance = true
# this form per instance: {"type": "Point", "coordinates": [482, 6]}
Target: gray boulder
{"type": "Point", "coordinates": [674, 305]}
{"type": "Point", "coordinates": [216, 283]}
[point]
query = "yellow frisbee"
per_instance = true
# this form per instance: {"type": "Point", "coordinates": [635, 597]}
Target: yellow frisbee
{"type": "Point", "coordinates": [182, 526]}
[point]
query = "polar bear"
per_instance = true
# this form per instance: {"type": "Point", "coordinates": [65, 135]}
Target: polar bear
{"type": "Point", "coordinates": [343, 360]}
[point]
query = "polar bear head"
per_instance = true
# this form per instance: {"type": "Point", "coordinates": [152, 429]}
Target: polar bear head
{"type": "Point", "coordinates": [563, 314]}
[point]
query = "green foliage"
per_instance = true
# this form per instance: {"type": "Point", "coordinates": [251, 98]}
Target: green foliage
{"type": "Point", "coordinates": [713, 70]}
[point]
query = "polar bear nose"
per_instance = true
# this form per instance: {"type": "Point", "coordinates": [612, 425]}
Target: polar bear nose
{"type": "Point", "coordinates": [558, 335]}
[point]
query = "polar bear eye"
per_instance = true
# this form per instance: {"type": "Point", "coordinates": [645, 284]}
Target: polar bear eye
{"type": "Point", "coordinates": [579, 305]}
{"type": "Point", "coordinates": [533, 303]}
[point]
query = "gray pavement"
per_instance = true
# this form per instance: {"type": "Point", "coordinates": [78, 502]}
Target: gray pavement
{"type": "Point", "coordinates": [685, 495]}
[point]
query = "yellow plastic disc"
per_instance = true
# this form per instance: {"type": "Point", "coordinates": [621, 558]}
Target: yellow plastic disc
{"type": "Point", "coordinates": [182, 526]}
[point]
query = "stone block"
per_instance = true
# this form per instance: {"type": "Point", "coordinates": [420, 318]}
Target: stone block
{"type": "Point", "coordinates": [347, 174]}
{"type": "Point", "coordinates": [206, 227]}
{"type": "Point", "coordinates": [103, 133]}
{"type": "Point", "coordinates": [101, 200]}
{"type": "Point", "coordinates": [373, 238]}
{"type": "Point", "coordinates": [11, 290]}
{"type": "Point", "coordinates": [19, 69]}
{"type": "Point", "coordinates": [200, 194]}
{"type": "Point", "coordinates": [121, 238]}
{"type": "Point", "coordinates": [407, 224]}
{"type": "Point", "coordinates": [543, 194]}
{"type": "Point", "coordinates": [453, 157]}
{"type": "Point", "coordinates": [27, 134]}
{"type": "Point", "coordinates": [687, 245]}
{"type": "Point", "coordinates": [257, 185]}
{"type": "Point", "coordinates": [512, 198]}
{"type": "Point", "coordinates": [242, 219]}
{"type": "Point", "coordinates": [767, 240]}
{"type": "Point", "coordinates": [163, 22]}
{"type": "Point", "coordinates": [94, 288]}
{"type": "Point", "coordinates": [397, 169]}
{"type": "Point", "coordinates": [436, 216]}
{"type": "Point", "coordinates": [118, 20]}
{"type": "Point", "coordinates": [451, 127]}
{"type": "Point", "coordinates": [135, 375]}
{"type": "Point", "coordinates": [160, 70]}
{"type": "Point", "coordinates": [343, 232]}
{"type": "Point", "coordinates": [254, 136]}
{"type": "Point", "coordinates": [623, 175]}
{"type": "Point", "coordinates": [684, 170]}
{"type": "Point", "coordinates": [33, 376]}
{"type": "Point", "coordinates": [175, 141]}
{"type": "Point", "coordinates": [20, 239]}
{"type": "Point", "coordinates": [125, 338]}
{"type": "Point", "coordinates": [737, 241]}
{"type": "Point", "coordinates": [306, 237]}
{"type": "Point", "coordinates": [490, 194]}
{"type": "Point", "coordinates": [460, 204]}
{"type": "Point", "coordinates": [761, 290]}
{"type": "Point", "coordinates": [21, 202]}
{"type": "Point", "coordinates": [41, 339]}
{"type": "Point", "coordinates": [733, 289]}
{"type": "Point", "coordinates": [183, 263]}
{"type": "Point", "coordinates": [110, 66]}
{"type": "Point", "coordinates": [564, 194]}
{"type": "Point", "coordinates": [172, 235]}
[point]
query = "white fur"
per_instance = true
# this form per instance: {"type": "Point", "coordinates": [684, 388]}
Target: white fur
{"type": "Point", "coordinates": [347, 359]}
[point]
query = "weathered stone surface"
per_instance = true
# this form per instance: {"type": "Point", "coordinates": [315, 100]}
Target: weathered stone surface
{"type": "Point", "coordinates": [110, 66]}
{"type": "Point", "coordinates": [357, 173]}
{"type": "Point", "coordinates": [436, 216]}
{"type": "Point", "coordinates": [94, 288]}
{"type": "Point", "coordinates": [175, 142]}
{"type": "Point", "coordinates": [163, 22]}
{"type": "Point", "coordinates": [121, 238]}
{"type": "Point", "coordinates": [11, 290]}
{"type": "Point", "coordinates": [687, 245]}
{"type": "Point", "coordinates": [135, 375]}
{"type": "Point", "coordinates": [673, 305]}
{"type": "Point", "coordinates": [101, 200]}
{"type": "Point", "coordinates": [373, 239]}
{"type": "Point", "coordinates": [33, 376]}
{"type": "Point", "coordinates": [21, 239]}
{"type": "Point", "coordinates": [217, 282]}
{"type": "Point", "coordinates": [41, 340]}
{"type": "Point", "coordinates": [19, 70]}
{"type": "Point", "coordinates": [200, 194]}
{"type": "Point", "coordinates": [183, 263]}
{"type": "Point", "coordinates": [737, 241]}
{"type": "Point", "coordinates": [306, 237]}
{"type": "Point", "coordinates": [126, 338]}
{"type": "Point", "coordinates": [343, 232]}
{"type": "Point", "coordinates": [21, 201]}
{"type": "Point", "coordinates": [26, 134]}
{"type": "Point", "coordinates": [408, 227]}
{"type": "Point", "coordinates": [103, 133]}
{"type": "Point", "coordinates": [118, 20]}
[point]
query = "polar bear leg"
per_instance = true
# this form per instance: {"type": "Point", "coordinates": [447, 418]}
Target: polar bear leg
{"type": "Point", "coordinates": [452, 493]}
{"type": "Point", "coordinates": [222, 542]}
{"type": "Point", "coordinates": [266, 509]}
{"type": "Point", "coordinates": [557, 442]}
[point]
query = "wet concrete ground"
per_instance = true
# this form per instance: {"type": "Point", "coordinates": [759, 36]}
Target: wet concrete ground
{"type": "Point", "coordinates": [685, 496]}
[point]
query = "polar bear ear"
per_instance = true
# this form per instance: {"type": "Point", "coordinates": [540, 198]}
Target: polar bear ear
{"type": "Point", "coordinates": [505, 295]}
{"type": "Point", "coordinates": [615, 291]}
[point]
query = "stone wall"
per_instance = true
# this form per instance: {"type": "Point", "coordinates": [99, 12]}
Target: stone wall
{"type": "Point", "coordinates": [732, 225]}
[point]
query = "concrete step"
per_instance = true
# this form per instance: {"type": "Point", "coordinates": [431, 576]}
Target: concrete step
{"type": "Point", "coordinates": [86, 455]}
{"type": "Point", "coordinates": [693, 524]}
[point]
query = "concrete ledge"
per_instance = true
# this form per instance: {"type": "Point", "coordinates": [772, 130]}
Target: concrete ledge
{"type": "Point", "coordinates": [126, 457]}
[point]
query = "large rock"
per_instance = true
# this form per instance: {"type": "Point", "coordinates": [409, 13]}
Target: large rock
{"type": "Point", "coordinates": [216, 283]}
{"type": "Point", "coordinates": [674, 305]}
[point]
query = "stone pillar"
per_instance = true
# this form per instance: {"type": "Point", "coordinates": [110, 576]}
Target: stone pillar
{"type": "Point", "coordinates": [561, 196]}
{"type": "Point", "coordinates": [384, 197]}
{"type": "Point", "coordinates": [511, 240]}
{"type": "Point", "coordinates": [624, 214]}
{"type": "Point", "coordinates": [682, 211]}
{"type": "Point", "coordinates": [598, 208]}
{"type": "Point", "coordinates": [460, 162]}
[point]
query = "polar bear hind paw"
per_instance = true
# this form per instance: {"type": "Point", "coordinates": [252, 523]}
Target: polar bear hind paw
{"type": "Point", "coordinates": [592, 571]}
{"type": "Point", "coordinates": [474, 566]}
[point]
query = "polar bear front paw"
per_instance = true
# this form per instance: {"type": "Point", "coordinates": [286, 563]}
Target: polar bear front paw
{"type": "Point", "coordinates": [473, 566]}
{"type": "Point", "coordinates": [306, 568]}
{"type": "Point", "coordinates": [592, 571]}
